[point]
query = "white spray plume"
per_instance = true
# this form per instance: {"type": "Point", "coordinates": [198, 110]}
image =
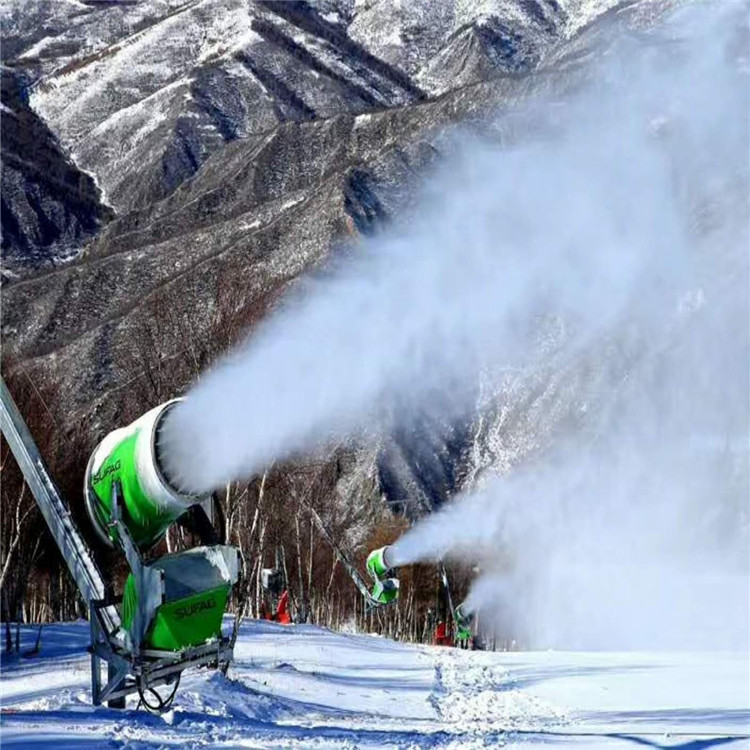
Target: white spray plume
{"type": "Point", "coordinates": [626, 218]}
{"type": "Point", "coordinates": [633, 532]}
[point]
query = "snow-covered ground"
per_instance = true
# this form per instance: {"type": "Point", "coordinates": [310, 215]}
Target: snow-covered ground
{"type": "Point", "coordinates": [303, 686]}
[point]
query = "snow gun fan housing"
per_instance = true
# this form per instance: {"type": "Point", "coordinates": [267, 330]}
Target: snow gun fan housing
{"type": "Point", "coordinates": [177, 601]}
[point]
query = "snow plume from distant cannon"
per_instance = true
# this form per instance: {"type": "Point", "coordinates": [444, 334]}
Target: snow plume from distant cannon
{"type": "Point", "coordinates": [632, 531]}
{"type": "Point", "coordinates": [613, 240]}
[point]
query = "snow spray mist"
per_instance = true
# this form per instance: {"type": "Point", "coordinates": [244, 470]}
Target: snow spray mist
{"type": "Point", "coordinates": [632, 531]}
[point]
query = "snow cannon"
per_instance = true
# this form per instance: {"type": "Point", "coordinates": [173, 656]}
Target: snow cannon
{"type": "Point", "coordinates": [380, 568]}
{"type": "Point", "coordinates": [130, 457]}
{"type": "Point", "coordinates": [177, 601]}
{"type": "Point", "coordinates": [463, 618]}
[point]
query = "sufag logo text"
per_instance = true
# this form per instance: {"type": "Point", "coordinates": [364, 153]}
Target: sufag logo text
{"type": "Point", "coordinates": [105, 471]}
{"type": "Point", "coordinates": [195, 608]}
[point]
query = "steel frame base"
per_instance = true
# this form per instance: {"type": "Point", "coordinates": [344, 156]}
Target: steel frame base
{"type": "Point", "coordinates": [129, 672]}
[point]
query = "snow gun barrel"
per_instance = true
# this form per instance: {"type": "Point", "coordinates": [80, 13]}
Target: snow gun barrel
{"type": "Point", "coordinates": [380, 567]}
{"type": "Point", "coordinates": [129, 457]}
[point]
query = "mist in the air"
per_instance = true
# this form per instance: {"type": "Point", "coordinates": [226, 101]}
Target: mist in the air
{"type": "Point", "coordinates": [633, 530]}
{"type": "Point", "coordinates": [622, 220]}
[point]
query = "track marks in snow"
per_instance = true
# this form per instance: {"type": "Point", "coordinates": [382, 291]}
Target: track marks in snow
{"type": "Point", "coordinates": [306, 687]}
{"type": "Point", "coordinates": [476, 697]}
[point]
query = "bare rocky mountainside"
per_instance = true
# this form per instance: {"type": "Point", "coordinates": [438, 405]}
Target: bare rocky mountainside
{"type": "Point", "coordinates": [170, 168]}
{"type": "Point", "coordinates": [49, 206]}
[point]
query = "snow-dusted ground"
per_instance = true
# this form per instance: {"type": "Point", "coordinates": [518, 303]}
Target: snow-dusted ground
{"type": "Point", "coordinates": [303, 686]}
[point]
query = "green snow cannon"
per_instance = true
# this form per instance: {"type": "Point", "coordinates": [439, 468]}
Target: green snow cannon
{"type": "Point", "coordinates": [379, 567]}
{"type": "Point", "coordinates": [129, 456]}
{"type": "Point", "coordinates": [179, 600]}
{"type": "Point", "coordinates": [463, 619]}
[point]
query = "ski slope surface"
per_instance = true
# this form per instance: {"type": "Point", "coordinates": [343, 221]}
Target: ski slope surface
{"type": "Point", "coordinates": [303, 686]}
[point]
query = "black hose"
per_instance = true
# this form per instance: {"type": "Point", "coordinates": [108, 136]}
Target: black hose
{"type": "Point", "coordinates": [162, 704]}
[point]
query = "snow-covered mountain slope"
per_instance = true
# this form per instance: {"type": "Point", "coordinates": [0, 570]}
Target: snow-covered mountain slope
{"type": "Point", "coordinates": [49, 207]}
{"type": "Point", "coordinates": [302, 687]}
{"type": "Point", "coordinates": [247, 144]}
{"type": "Point", "coordinates": [155, 87]}
{"type": "Point", "coordinates": [261, 209]}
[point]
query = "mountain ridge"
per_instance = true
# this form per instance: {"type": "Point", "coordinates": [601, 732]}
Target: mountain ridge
{"type": "Point", "coordinates": [208, 253]}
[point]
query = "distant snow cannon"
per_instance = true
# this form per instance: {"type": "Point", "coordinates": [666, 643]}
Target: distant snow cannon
{"type": "Point", "coordinates": [380, 567]}
{"type": "Point", "coordinates": [463, 618]}
{"type": "Point", "coordinates": [178, 601]}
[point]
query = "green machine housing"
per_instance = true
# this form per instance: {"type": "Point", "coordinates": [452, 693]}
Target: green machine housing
{"type": "Point", "coordinates": [182, 598]}
{"type": "Point", "coordinates": [179, 600]}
